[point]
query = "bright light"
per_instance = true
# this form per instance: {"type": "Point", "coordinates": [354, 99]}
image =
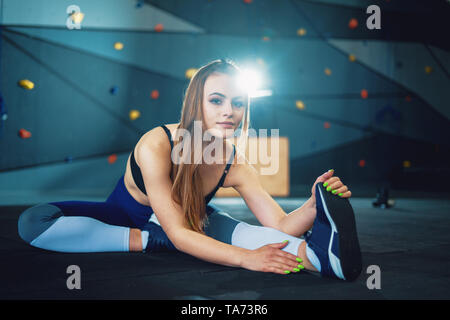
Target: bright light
{"type": "Point", "coordinates": [261, 93]}
{"type": "Point", "coordinates": [251, 81]}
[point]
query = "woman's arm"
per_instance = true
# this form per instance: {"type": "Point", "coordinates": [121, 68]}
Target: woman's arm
{"type": "Point", "coordinates": [207, 248]}
{"type": "Point", "coordinates": [154, 160]}
{"type": "Point", "coordinates": [266, 209]}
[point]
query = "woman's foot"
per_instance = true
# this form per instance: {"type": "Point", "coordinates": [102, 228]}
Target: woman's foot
{"type": "Point", "coordinates": [332, 245]}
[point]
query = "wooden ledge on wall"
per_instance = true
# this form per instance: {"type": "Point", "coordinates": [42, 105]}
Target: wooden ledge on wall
{"type": "Point", "coordinates": [273, 170]}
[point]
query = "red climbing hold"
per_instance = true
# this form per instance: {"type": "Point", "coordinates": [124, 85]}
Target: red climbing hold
{"type": "Point", "coordinates": [112, 158]}
{"type": "Point", "coordinates": [364, 94]}
{"type": "Point", "coordinates": [24, 134]}
{"type": "Point", "coordinates": [155, 94]}
{"type": "Point", "coordinates": [353, 23]}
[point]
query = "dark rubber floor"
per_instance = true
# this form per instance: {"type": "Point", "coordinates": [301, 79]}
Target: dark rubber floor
{"type": "Point", "coordinates": [410, 243]}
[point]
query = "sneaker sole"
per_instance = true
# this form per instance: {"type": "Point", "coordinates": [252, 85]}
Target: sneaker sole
{"type": "Point", "coordinates": [342, 219]}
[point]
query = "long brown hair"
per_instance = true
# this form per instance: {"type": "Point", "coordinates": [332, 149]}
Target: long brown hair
{"type": "Point", "coordinates": [187, 183]}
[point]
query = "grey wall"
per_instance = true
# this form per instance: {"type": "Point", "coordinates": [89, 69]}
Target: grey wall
{"type": "Point", "coordinates": [71, 112]}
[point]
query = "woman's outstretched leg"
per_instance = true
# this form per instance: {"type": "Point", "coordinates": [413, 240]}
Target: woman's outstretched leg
{"type": "Point", "coordinates": [221, 226]}
{"type": "Point", "coordinates": [45, 226]}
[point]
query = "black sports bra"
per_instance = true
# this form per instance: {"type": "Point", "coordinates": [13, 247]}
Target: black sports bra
{"type": "Point", "coordinates": [137, 175]}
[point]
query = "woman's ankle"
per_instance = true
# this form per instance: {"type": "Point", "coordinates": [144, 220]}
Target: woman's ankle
{"type": "Point", "coordinates": [135, 240]}
{"type": "Point", "coordinates": [302, 254]}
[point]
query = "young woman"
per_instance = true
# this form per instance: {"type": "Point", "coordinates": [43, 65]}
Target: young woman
{"type": "Point", "coordinates": [163, 204]}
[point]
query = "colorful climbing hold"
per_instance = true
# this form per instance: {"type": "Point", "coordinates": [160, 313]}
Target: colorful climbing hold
{"type": "Point", "coordinates": [364, 94]}
{"type": "Point", "coordinates": [362, 163]}
{"type": "Point", "coordinates": [24, 134]}
{"type": "Point", "coordinates": [134, 114]}
{"type": "Point", "coordinates": [155, 94]}
{"type": "Point", "coordinates": [77, 17]}
{"type": "Point", "coordinates": [301, 32]}
{"type": "Point", "coordinates": [118, 45]}
{"type": "Point", "coordinates": [353, 23]}
{"type": "Point", "coordinates": [26, 84]}
{"type": "Point", "coordinates": [68, 159]}
{"type": "Point", "coordinates": [190, 73]}
{"type": "Point", "coordinates": [326, 125]}
{"type": "Point", "coordinates": [300, 105]}
{"type": "Point", "coordinates": [114, 90]}
{"type": "Point", "coordinates": [406, 164]}
{"type": "Point", "coordinates": [112, 158]}
{"type": "Point", "coordinates": [352, 58]}
{"type": "Point", "coordinates": [327, 71]}
{"type": "Point", "coordinates": [428, 69]}
{"type": "Point", "coordinates": [159, 27]}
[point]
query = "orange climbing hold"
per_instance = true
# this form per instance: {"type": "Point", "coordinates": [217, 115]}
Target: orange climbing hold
{"type": "Point", "coordinates": [326, 125]}
{"type": "Point", "coordinates": [112, 158]}
{"type": "Point", "coordinates": [364, 94]}
{"type": "Point", "coordinates": [301, 32]}
{"type": "Point", "coordinates": [159, 27]}
{"type": "Point", "coordinates": [353, 23]}
{"type": "Point", "coordinates": [362, 163]}
{"type": "Point", "coordinates": [24, 134]}
{"type": "Point", "coordinates": [155, 94]}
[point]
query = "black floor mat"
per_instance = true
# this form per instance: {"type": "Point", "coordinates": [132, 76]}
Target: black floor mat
{"type": "Point", "coordinates": [409, 243]}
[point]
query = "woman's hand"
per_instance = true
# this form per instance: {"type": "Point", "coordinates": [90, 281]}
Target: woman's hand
{"type": "Point", "coordinates": [334, 184]}
{"type": "Point", "coordinates": [270, 258]}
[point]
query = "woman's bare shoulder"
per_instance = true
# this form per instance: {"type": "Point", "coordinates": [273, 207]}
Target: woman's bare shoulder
{"type": "Point", "coordinates": [155, 141]}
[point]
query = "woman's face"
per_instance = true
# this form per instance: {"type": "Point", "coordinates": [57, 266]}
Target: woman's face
{"type": "Point", "coordinates": [223, 102]}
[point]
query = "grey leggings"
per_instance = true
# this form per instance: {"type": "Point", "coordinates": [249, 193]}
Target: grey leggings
{"type": "Point", "coordinates": [45, 226]}
{"type": "Point", "coordinates": [83, 226]}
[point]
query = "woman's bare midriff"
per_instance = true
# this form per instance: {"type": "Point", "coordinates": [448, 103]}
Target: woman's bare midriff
{"type": "Point", "coordinates": [207, 172]}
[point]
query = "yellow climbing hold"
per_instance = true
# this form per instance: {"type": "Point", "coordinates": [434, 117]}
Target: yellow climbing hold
{"type": "Point", "coordinates": [190, 73]}
{"type": "Point", "coordinates": [406, 164]}
{"type": "Point", "coordinates": [352, 57]}
{"type": "Point", "coordinates": [300, 104]}
{"type": "Point", "coordinates": [428, 69]}
{"type": "Point", "coordinates": [77, 17]}
{"type": "Point", "coordinates": [301, 32]}
{"type": "Point", "coordinates": [327, 71]}
{"type": "Point", "coordinates": [118, 45]}
{"type": "Point", "coordinates": [134, 114]}
{"type": "Point", "coordinates": [26, 84]}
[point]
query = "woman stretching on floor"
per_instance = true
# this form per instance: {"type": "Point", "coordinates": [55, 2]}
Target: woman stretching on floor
{"type": "Point", "coordinates": [162, 204]}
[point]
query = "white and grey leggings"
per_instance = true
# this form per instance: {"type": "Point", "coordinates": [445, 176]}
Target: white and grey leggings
{"type": "Point", "coordinates": [83, 226]}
